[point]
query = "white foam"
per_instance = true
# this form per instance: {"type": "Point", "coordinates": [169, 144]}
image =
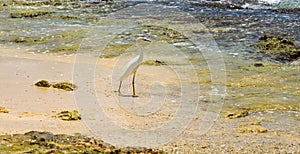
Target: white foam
{"type": "Point", "coordinates": [272, 2]}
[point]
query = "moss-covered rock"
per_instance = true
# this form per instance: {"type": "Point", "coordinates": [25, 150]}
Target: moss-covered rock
{"type": "Point", "coordinates": [47, 142]}
{"type": "Point", "coordinates": [67, 86]}
{"type": "Point", "coordinates": [43, 83]}
{"type": "Point", "coordinates": [280, 49]}
{"type": "Point", "coordinates": [69, 116]}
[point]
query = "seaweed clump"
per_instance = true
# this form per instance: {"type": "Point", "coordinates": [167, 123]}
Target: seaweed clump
{"type": "Point", "coordinates": [43, 83]}
{"type": "Point", "coordinates": [279, 49]}
{"type": "Point", "coordinates": [69, 116]}
{"type": "Point", "coordinates": [154, 62]}
{"type": "Point", "coordinates": [67, 86]}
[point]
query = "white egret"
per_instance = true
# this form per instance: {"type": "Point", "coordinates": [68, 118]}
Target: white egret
{"type": "Point", "coordinates": [133, 65]}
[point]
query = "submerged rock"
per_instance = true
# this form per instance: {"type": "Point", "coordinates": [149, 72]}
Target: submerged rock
{"type": "Point", "coordinates": [235, 113]}
{"type": "Point", "coordinates": [153, 62]}
{"type": "Point", "coordinates": [65, 86]}
{"type": "Point", "coordinates": [67, 115]}
{"type": "Point", "coordinates": [43, 83]}
{"type": "Point", "coordinates": [279, 49]}
{"type": "Point", "coordinates": [253, 127]}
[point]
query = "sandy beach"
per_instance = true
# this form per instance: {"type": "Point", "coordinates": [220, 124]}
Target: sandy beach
{"type": "Point", "coordinates": [35, 108]}
{"type": "Point", "coordinates": [31, 107]}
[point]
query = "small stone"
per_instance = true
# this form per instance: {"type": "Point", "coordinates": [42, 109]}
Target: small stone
{"type": "Point", "coordinates": [258, 64]}
{"type": "Point", "coordinates": [69, 116]}
{"type": "Point", "coordinates": [67, 86]}
{"type": "Point", "coordinates": [43, 83]}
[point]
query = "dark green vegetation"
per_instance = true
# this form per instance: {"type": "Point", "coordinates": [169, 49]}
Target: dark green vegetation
{"type": "Point", "coordinates": [46, 142]}
{"type": "Point", "coordinates": [279, 49]}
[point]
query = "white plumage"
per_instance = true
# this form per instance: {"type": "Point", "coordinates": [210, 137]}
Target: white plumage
{"type": "Point", "coordinates": [132, 66]}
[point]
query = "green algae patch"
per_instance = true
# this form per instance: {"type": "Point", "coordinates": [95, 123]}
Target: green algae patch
{"type": "Point", "coordinates": [64, 42]}
{"type": "Point", "coordinates": [114, 50]}
{"type": "Point", "coordinates": [67, 86]}
{"type": "Point", "coordinates": [29, 13]}
{"type": "Point", "coordinates": [153, 62]}
{"type": "Point", "coordinates": [69, 115]}
{"type": "Point", "coordinates": [3, 110]}
{"type": "Point", "coordinates": [67, 49]}
{"type": "Point", "coordinates": [235, 113]}
{"type": "Point", "coordinates": [27, 39]}
{"type": "Point", "coordinates": [47, 142]}
{"type": "Point", "coordinates": [252, 127]}
{"type": "Point", "coordinates": [280, 49]}
{"type": "Point", "coordinates": [43, 83]}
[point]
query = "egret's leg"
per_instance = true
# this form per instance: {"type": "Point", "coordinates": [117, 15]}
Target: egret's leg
{"type": "Point", "coordinates": [119, 90]}
{"type": "Point", "coordinates": [133, 88]}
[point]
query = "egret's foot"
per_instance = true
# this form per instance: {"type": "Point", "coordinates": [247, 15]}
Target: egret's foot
{"type": "Point", "coordinates": [119, 92]}
{"type": "Point", "coordinates": [135, 95]}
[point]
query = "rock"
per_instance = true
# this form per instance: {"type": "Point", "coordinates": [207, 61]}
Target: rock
{"type": "Point", "coordinates": [43, 83]}
{"type": "Point", "coordinates": [258, 64]}
{"type": "Point", "coordinates": [46, 142]}
{"type": "Point", "coordinates": [253, 127]}
{"type": "Point", "coordinates": [40, 136]}
{"type": "Point", "coordinates": [235, 113]}
{"type": "Point", "coordinates": [67, 86]}
{"type": "Point", "coordinates": [3, 110]}
{"type": "Point", "coordinates": [279, 49]}
{"type": "Point", "coordinates": [67, 115]}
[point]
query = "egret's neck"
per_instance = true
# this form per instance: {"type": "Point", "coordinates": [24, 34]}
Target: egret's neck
{"type": "Point", "coordinates": [140, 48]}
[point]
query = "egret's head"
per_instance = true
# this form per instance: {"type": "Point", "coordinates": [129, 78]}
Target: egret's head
{"type": "Point", "coordinates": [142, 39]}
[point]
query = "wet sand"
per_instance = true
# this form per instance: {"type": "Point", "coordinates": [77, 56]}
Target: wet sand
{"type": "Point", "coordinates": [34, 108]}
{"type": "Point", "coordinates": [31, 107]}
